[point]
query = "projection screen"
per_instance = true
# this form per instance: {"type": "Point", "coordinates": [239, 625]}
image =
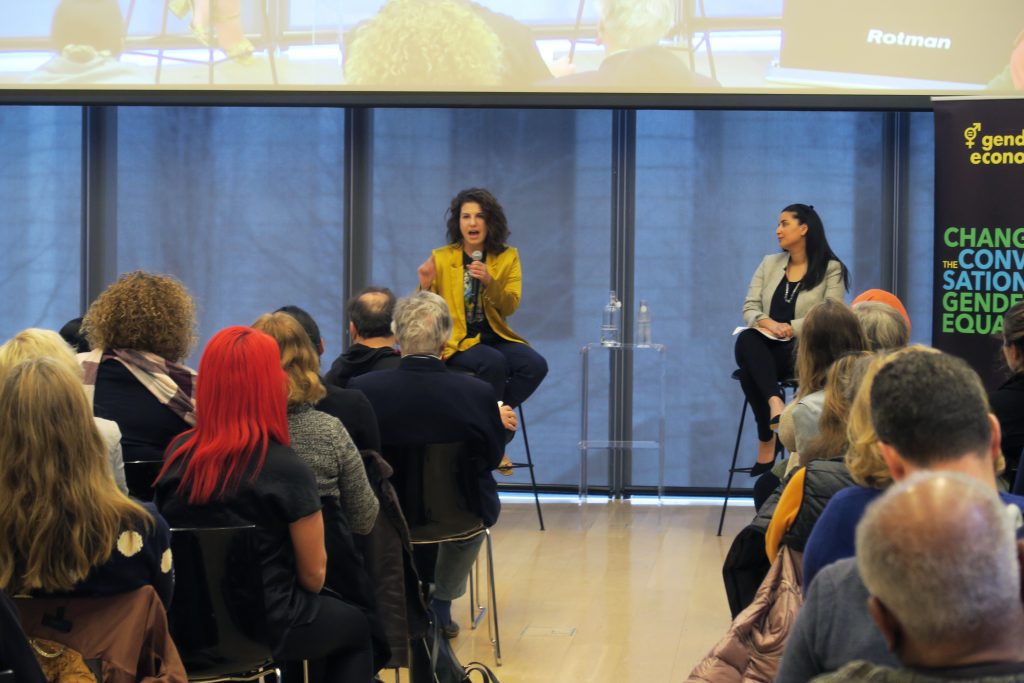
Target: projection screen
{"type": "Point", "coordinates": [915, 47]}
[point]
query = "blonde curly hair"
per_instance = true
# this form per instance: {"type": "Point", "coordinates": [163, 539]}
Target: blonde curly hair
{"type": "Point", "coordinates": [299, 358]}
{"type": "Point", "coordinates": [423, 45]}
{"type": "Point", "coordinates": [863, 459]}
{"type": "Point", "coordinates": [145, 312]}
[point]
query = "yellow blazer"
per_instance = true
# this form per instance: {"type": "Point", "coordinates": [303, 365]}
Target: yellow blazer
{"type": "Point", "coordinates": [500, 298]}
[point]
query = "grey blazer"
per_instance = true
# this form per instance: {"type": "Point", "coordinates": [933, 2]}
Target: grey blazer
{"type": "Point", "coordinates": [767, 278]}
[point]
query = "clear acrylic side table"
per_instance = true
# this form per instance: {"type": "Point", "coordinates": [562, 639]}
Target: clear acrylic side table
{"type": "Point", "coordinates": [586, 443]}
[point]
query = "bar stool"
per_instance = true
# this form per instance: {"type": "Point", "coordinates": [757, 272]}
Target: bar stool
{"type": "Point", "coordinates": [529, 465]}
{"type": "Point", "coordinates": [270, 44]}
{"type": "Point", "coordinates": [785, 385]}
{"type": "Point", "coordinates": [526, 445]}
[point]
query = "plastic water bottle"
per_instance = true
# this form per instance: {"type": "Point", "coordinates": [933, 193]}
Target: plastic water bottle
{"type": "Point", "coordinates": [643, 325]}
{"type": "Point", "coordinates": [610, 321]}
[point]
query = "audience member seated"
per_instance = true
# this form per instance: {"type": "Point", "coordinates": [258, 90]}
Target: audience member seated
{"type": "Point", "coordinates": [72, 334]}
{"type": "Point", "coordinates": [87, 37]}
{"type": "Point", "coordinates": [884, 328]}
{"type": "Point", "coordinates": [316, 437]}
{"type": "Point", "coordinates": [631, 31]}
{"type": "Point", "coordinates": [235, 468]}
{"type": "Point", "coordinates": [823, 474]}
{"type": "Point", "coordinates": [830, 331]}
{"type": "Point", "coordinates": [38, 343]}
{"type": "Point", "coordinates": [1008, 400]}
{"type": "Point", "coordinates": [788, 515]}
{"type": "Point", "coordinates": [66, 526]}
{"type": "Point", "coordinates": [421, 402]}
{"type": "Point", "coordinates": [349, 503]}
{"type": "Point", "coordinates": [939, 558]}
{"type": "Point", "coordinates": [373, 340]}
{"type": "Point", "coordinates": [350, 407]}
{"type": "Point", "coordinates": [927, 411]}
{"type": "Point", "coordinates": [140, 328]}
{"type": "Point", "coordinates": [883, 297]}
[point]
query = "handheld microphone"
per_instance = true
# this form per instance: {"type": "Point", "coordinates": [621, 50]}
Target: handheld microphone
{"type": "Point", "coordinates": [477, 256]}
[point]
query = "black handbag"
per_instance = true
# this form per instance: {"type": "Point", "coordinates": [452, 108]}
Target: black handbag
{"type": "Point", "coordinates": [434, 661]}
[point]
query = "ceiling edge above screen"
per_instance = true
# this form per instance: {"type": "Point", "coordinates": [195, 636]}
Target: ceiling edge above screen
{"type": "Point", "coordinates": [769, 100]}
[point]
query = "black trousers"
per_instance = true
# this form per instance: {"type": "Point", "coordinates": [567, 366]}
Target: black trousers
{"type": "Point", "coordinates": [336, 644]}
{"type": "Point", "coordinates": [763, 363]}
{"type": "Point", "coordinates": [514, 370]}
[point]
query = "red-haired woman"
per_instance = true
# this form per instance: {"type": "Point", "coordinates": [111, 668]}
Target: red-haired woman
{"type": "Point", "coordinates": [235, 467]}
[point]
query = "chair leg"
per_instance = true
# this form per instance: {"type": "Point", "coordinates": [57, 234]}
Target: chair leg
{"type": "Point", "coordinates": [494, 636]}
{"type": "Point", "coordinates": [163, 36]}
{"type": "Point", "coordinates": [707, 44]}
{"type": "Point", "coordinates": [732, 466]}
{"type": "Point", "coordinates": [529, 464]}
{"type": "Point", "coordinates": [128, 17]}
{"type": "Point", "coordinates": [476, 609]}
{"type": "Point", "coordinates": [270, 37]}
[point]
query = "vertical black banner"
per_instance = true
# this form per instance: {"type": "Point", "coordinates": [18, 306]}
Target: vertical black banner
{"type": "Point", "coordinates": [979, 226]}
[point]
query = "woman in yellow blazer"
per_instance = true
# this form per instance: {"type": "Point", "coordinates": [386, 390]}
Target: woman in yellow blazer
{"type": "Point", "coordinates": [479, 276]}
{"type": "Point", "coordinates": [784, 288]}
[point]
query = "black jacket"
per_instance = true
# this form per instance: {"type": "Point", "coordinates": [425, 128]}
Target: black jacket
{"type": "Point", "coordinates": [359, 360]}
{"type": "Point", "coordinates": [421, 402]}
{"type": "Point", "coordinates": [355, 413]}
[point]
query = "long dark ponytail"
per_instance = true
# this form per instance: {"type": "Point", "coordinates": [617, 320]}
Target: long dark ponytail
{"type": "Point", "coordinates": [819, 253]}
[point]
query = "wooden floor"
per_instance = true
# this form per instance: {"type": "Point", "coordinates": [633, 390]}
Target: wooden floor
{"type": "Point", "coordinates": [609, 592]}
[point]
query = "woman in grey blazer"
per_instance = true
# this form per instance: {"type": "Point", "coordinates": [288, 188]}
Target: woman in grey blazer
{"type": "Point", "coordinates": [784, 288]}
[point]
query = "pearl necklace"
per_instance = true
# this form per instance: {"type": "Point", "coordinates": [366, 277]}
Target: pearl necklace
{"type": "Point", "coordinates": [787, 296]}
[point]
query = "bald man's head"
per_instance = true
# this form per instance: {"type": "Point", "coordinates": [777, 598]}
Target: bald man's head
{"type": "Point", "coordinates": [939, 551]}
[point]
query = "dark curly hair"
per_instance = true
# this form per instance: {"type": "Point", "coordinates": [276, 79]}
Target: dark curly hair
{"type": "Point", "coordinates": [497, 224]}
{"type": "Point", "coordinates": [144, 312]}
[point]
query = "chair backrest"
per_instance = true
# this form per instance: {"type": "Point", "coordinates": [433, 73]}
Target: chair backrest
{"type": "Point", "coordinates": [123, 636]}
{"type": "Point", "coordinates": [217, 617]}
{"type": "Point", "coordinates": [140, 475]}
{"type": "Point", "coordinates": [437, 486]}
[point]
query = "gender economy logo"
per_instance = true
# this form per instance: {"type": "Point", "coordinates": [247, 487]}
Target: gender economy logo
{"type": "Point", "coordinates": [1003, 149]}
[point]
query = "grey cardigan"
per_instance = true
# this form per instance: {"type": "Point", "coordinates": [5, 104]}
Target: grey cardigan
{"type": "Point", "coordinates": [767, 278]}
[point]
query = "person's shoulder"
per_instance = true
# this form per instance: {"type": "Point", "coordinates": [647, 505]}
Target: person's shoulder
{"type": "Point", "coordinates": [1012, 499]}
{"type": "Point", "coordinates": [447, 251]}
{"type": "Point", "coordinates": [835, 271]}
{"type": "Point", "coordinates": [778, 260]}
{"type": "Point", "coordinates": [854, 495]}
{"type": "Point", "coordinates": [847, 505]}
{"type": "Point", "coordinates": [161, 527]}
{"type": "Point", "coordinates": [109, 430]}
{"type": "Point", "coordinates": [862, 670]}
{"type": "Point", "coordinates": [370, 380]}
{"type": "Point", "coordinates": [280, 457]}
{"type": "Point", "coordinates": [1010, 391]}
{"type": "Point", "coordinates": [838, 573]}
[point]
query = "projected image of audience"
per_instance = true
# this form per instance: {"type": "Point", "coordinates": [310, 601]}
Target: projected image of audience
{"type": "Point", "coordinates": [517, 46]}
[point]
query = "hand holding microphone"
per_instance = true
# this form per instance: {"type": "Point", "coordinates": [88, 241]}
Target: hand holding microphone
{"type": "Point", "coordinates": [478, 271]}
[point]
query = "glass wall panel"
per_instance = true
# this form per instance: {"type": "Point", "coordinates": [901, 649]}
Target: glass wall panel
{"type": "Point", "coordinates": [920, 227]}
{"type": "Point", "coordinates": [40, 225]}
{"type": "Point", "coordinates": [551, 170]}
{"type": "Point", "coordinates": [244, 205]}
{"type": "Point", "coordinates": [710, 186]}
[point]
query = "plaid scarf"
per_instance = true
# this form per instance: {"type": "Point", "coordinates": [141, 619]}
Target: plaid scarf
{"type": "Point", "coordinates": [172, 384]}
